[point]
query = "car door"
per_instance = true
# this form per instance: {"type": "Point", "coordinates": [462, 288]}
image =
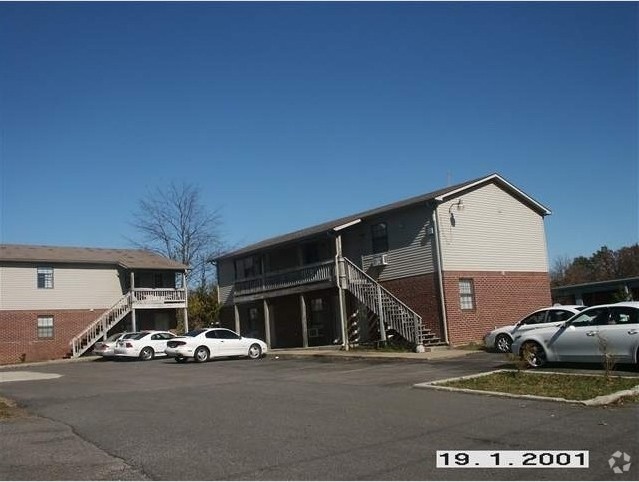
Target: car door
{"type": "Point", "coordinates": [578, 341]}
{"type": "Point", "coordinates": [159, 341]}
{"type": "Point", "coordinates": [214, 343]}
{"type": "Point", "coordinates": [620, 337]}
{"type": "Point", "coordinates": [231, 342]}
{"type": "Point", "coordinates": [531, 321]}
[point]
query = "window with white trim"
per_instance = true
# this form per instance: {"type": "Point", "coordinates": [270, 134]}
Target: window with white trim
{"type": "Point", "coordinates": [379, 234]}
{"type": "Point", "coordinates": [45, 277]}
{"type": "Point", "coordinates": [466, 294]}
{"type": "Point", "coordinates": [45, 327]}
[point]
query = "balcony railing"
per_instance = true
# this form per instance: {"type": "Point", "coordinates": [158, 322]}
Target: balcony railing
{"type": "Point", "coordinates": [158, 296]}
{"type": "Point", "coordinates": [277, 280]}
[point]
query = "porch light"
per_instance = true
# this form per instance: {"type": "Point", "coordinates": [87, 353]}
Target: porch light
{"type": "Point", "coordinates": [460, 207]}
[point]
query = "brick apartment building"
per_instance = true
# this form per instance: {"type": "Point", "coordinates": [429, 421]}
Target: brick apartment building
{"type": "Point", "coordinates": [59, 301]}
{"type": "Point", "coordinates": [443, 267]}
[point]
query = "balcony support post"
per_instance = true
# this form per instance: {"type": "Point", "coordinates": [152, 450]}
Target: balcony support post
{"type": "Point", "coordinates": [186, 303]}
{"type": "Point", "coordinates": [304, 321]}
{"type": "Point", "coordinates": [134, 326]}
{"type": "Point", "coordinates": [236, 310]}
{"type": "Point", "coordinates": [267, 324]}
{"type": "Point", "coordinates": [341, 284]}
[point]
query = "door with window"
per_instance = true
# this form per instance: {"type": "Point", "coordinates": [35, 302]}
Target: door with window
{"type": "Point", "coordinates": [579, 341]}
{"type": "Point", "coordinates": [229, 343]}
{"type": "Point", "coordinates": [620, 336]}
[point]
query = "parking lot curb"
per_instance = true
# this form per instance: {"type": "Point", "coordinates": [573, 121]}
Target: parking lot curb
{"type": "Point", "coordinates": [596, 401]}
{"type": "Point", "coordinates": [51, 362]}
{"type": "Point", "coordinates": [348, 356]}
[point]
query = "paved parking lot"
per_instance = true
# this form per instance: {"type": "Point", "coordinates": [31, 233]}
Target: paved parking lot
{"type": "Point", "coordinates": [283, 419]}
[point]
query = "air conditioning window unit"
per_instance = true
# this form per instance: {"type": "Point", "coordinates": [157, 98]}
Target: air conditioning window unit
{"type": "Point", "coordinates": [379, 260]}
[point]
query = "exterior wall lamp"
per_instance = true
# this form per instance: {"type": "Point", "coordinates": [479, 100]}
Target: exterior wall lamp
{"type": "Point", "coordinates": [460, 207]}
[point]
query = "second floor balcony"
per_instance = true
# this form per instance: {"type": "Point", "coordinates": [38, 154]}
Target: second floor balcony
{"type": "Point", "coordinates": [310, 274]}
{"type": "Point", "coordinates": [159, 298]}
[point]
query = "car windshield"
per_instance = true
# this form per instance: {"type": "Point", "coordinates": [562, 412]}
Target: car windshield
{"type": "Point", "coordinates": [114, 337]}
{"type": "Point", "coordinates": [139, 336]}
{"type": "Point", "coordinates": [129, 336]}
{"type": "Point", "coordinates": [194, 332]}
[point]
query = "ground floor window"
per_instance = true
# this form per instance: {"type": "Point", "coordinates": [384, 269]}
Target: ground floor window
{"type": "Point", "coordinates": [45, 327]}
{"type": "Point", "coordinates": [466, 294]}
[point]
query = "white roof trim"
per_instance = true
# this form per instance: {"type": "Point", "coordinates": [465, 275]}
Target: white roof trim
{"type": "Point", "coordinates": [497, 177]}
{"type": "Point", "coordinates": [347, 225]}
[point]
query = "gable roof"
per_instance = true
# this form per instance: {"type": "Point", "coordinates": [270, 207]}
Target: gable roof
{"type": "Point", "coordinates": [437, 197]}
{"type": "Point", "coordinates": [126, 258]}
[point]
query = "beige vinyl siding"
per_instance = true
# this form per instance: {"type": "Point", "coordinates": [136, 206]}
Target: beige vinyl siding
{"type": "Point", "coordinates": [410, 247]}
{"type": "Point", "coordinates": [74, 287]}
{"type": "Point", "coordinates": [494, 232]}
{"type": "Point", "coordinates": [226, 278]}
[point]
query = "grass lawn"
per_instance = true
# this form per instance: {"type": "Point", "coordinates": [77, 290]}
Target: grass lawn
{"type": "Point", "coordinates": [571, 387]}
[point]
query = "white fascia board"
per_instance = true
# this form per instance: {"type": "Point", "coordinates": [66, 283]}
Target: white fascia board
{"type": "Point", "coordinates": [347, 225]}
{"type": "Point", "coordinates": [500, 179]}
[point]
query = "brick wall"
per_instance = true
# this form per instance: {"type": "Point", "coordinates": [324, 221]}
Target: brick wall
{"type": "Point", "coordinates": [19, 334]}
{"type": "Point", "coordinates": [501, 298]}
{"type": "Point", "coordinates": [421, 294]}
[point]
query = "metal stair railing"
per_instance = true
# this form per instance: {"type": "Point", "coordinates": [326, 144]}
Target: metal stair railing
{"type": "Point", "coordinates": [390, 310]}
{"type": "Point", "coordinates": [98, 328]}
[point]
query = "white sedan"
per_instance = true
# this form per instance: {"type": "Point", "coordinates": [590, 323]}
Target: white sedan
{"type": "Point", "coordinates": [145, 345]}
{"type": "Point", "coordinates": [206, 343]}
{"type": "Point", "coordinates": [106, 348]}
{"type": "Point", "coordinates": [591, 336]}
{"type": "Point", "coordinates": [501, 338]}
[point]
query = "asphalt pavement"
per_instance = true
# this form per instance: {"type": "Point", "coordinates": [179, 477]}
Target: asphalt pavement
{"type": "Point", "coordinates": [289, 419]}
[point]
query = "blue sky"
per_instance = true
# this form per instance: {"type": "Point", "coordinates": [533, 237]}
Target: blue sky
{"type": "Point", "coordinates": [289, 114]}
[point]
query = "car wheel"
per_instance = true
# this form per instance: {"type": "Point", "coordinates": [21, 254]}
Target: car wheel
{"type": "Point", "coordinates": [255, 351]}
{"type": "Point", "coordinates": [201, 354]}
{"type": "Point", "coordinates": [146, 353]}
{"type": "Point", "coordinates": [503, 344]}
{"type": "Point", "coordinates": [180, 359]}
{"type": "Point", "coordinates": [533, 354]}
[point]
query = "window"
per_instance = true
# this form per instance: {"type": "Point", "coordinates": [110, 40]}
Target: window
{"type": "Point", "coordinates": [248, 267]}
{"type": "Point", "coordinates": [45, 327]}
{"type": "Point", "coordinates": [594, 316]}
{"type": "Point", "coordinates": [535, 318]}
{"type": "Point", "coordinates": [317, 304]}
{"type": "Point", "coordinates": [559, 315]}
{"type": "Point", "coordinates": [227, 335]}
{"type": "Point", "coordinates": [45, 278]}
{"type": "Point", "coordinates": [466, 294]}
{"type": "Point", "coordinates": [379, 234]}
{"type": "Point", "coordinates": [623, 316]}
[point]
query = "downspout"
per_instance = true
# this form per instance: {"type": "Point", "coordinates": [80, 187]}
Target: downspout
{"type": "Point", "coordinates": [440, 275]}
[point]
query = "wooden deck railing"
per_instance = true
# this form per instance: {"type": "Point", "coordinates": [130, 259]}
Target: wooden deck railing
{"type": "Point", "coordinates": [142, 296]}
{"type": "Point", "coordinates": [310, 273]}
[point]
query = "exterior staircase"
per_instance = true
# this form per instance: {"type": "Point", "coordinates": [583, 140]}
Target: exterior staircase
{"type": "Point", "coordinates": [391, 312]}
{"type": "Point", "coordinates": [99, 328]}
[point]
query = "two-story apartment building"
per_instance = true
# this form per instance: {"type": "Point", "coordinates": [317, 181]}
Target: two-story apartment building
{"type": "Point", "coordinates": [58, 301]}
{"type": "Point", "coordinates": [441, 268]}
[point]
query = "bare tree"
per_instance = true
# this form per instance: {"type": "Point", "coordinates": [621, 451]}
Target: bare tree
{"type": "Point", "coordinates": [174, 222]}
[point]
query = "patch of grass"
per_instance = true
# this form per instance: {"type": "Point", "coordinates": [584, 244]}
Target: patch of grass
{"type": "Point", "coordinates": [571, 387]}
{"type": "Point", "coordinates": [9, 409]}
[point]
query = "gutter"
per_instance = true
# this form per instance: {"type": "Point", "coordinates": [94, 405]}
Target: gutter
{"type": "Point", "coordinates": [440, 276]}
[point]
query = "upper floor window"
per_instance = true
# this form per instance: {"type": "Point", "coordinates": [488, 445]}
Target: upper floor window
{"type": "Point", "coordinates": [379, 234]}
{"type": "Point", "coordinates": [248, 267]}
{"type": "Point", "coordinates": [45, 326]}
{"type": "Point", "coordinates": [466, 294]}
{"type": "Point", "coordinates": [45, 277]}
